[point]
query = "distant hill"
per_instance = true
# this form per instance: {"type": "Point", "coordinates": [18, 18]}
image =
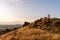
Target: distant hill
{"type": "Point", "coordinates": [42, 29]}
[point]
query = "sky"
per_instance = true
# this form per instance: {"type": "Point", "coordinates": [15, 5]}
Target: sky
{"type": "Point", "coordinates": [27, 10]}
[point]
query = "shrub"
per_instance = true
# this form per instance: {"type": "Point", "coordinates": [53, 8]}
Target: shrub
{"type": "Point", "coordinates": [7, 30]}
{"type": "Point", "coordinates": [15, 28]}
{"type": "Point", "coordinates": [26, 23]}
{"type": "Point", "coordinates": [56, 23]}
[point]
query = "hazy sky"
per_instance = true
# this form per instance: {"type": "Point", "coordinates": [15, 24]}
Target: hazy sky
{"type": "Point", "coordinates": [28, 10]}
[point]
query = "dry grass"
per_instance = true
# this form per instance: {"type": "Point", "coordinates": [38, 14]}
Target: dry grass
{"type": "Point", "coordinates": [30, 34]}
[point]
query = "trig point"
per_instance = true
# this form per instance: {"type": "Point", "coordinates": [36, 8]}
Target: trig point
{"type": "Point", "coordinates": [49, 16]}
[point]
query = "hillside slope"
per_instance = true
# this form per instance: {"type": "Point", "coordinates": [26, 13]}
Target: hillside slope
{"type": "Point", "coordinates": [29, 34]}
{"type": "Point", "coordinates": [41, 29]}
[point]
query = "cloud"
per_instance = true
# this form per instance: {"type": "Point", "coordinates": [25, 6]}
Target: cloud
{"type": "Point", "coordinates": [14, 2]}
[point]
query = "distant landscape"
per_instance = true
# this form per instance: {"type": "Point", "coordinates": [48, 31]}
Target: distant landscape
{"type": "Point", "coordinates": [10, 26]}
{"type": "Point", "coordinates": [7, 28]}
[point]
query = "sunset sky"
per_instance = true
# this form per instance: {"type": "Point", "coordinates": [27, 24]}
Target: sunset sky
{"type": "Point", "coordinates": [28, 10]}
